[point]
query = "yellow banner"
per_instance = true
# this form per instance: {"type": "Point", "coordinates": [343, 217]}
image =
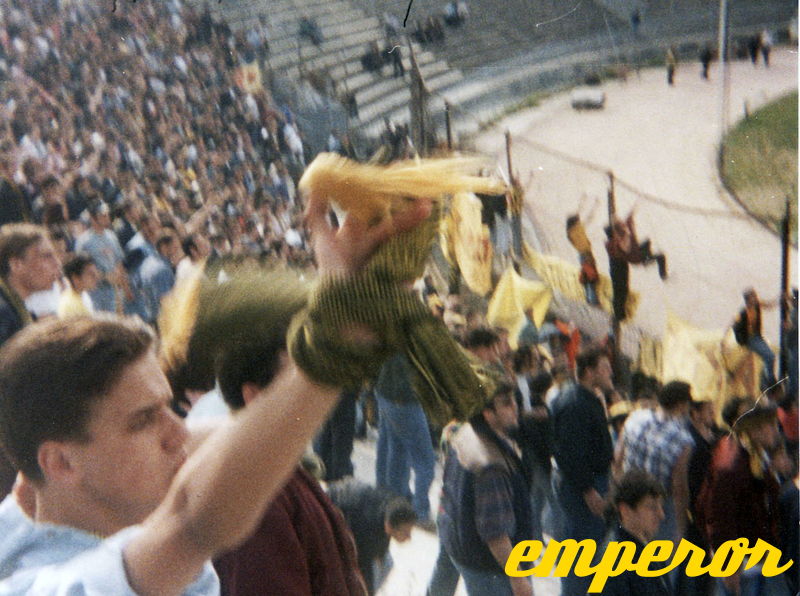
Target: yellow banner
{"type": "Point", "coordinates": [512, 296]}
{"type": "Point", "coordinates": [711, 361]}
{"type": "Point", "coordinates": [563, 276]}
{"type": "Point", "coordinates": [468, 242]}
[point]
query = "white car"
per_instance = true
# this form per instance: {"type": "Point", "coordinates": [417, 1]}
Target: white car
{"type": "Point", "coordinates": [587, 98]}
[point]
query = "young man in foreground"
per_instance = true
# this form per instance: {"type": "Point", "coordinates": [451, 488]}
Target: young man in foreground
{"type": "Point", "coordinates": [84, 413]}
{"type": "Point", "coordinates": [638, 501]}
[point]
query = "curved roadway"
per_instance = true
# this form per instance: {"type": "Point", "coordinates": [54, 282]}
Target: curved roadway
{"type": "Point", "coordinates": [662, 141]}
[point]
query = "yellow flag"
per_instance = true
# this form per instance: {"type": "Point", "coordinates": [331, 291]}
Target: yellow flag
{"type": "Point", "coordinates": [472, 247]}
{"type": "Point", "coordinates": [564, 277]}
{"type": "Point", "coordinates": [649, 360]}
{"type": "Point", "coordinates": [512, 296]}
{"type": "Point", "coordinates": [711, 361]}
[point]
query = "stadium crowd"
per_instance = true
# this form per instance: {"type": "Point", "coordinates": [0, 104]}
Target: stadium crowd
{"type": "Point", "coordinates": [136, 112]}
{"type": "Point", "coordinates": [130, 157]}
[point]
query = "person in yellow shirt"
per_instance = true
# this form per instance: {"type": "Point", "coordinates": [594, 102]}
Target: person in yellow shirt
{"type": "Point", "coordinates": [83, 275]}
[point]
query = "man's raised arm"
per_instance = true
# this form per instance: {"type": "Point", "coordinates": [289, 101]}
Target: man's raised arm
{"type": "Point", "coordinates": [222, 491]}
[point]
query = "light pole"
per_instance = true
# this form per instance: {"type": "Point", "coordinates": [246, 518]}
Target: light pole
{"type": "Point", "coordinates": [724, 73]}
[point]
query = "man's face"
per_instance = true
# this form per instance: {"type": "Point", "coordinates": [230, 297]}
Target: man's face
{"type": "Point", "coordinates": [505, 413]}
{"type": "Point", "coordinates": [487, 353]}
{"type": "Point", "coordinates": [704, 415]}
{"type": "Point", "coordinates": [602, 374]}
{"type": "Point", "coordinates": [102, 220]}
{"type": "Point", "coordinates": [401, 532]}
{"type": "Point", "coordinates": [52, 193]}
{"type": "Point", "coordinates": [765, 435]}
{"type": "Point", "coordinates": [89, 278]}
{"type": "Point", "coordinates": [38, 268]}
{"type": "Point", "coordinates": [202, 247]}
{"type": "Point", "coordinates": [171, 251]}
{"type": "Point", "coordinates": [136, 445]}
{"type": "Point", "coordinates": [644, 519]}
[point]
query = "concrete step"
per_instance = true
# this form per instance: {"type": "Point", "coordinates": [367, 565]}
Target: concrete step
{"type": "Point", "coordinates": [375, 111]}
{"type": "Point", "coordinates": [288, 43]}
{"type": "Point", "coordinates": [356, 78]}
{"type": "Point", "coordinates": [282, 14]}
{"type": "Point", "coordinates": [389, 84]}
{"type": "Point", "coordinates": [329, 52]}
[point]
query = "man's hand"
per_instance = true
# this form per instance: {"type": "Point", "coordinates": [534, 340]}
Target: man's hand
{"type": "Point", "coordinates": [347, 249]}
{"type": "Point", "coordinates": [594, 502]}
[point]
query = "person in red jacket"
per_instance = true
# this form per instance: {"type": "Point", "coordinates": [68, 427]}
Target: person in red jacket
{"type": "Point", "coordinates": [740, 498]}
{"type": "Point", "coordinates": [302, 546]}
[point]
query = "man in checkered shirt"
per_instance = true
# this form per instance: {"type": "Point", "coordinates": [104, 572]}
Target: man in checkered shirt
{"type": "Point", "coordinates": [659, 442]}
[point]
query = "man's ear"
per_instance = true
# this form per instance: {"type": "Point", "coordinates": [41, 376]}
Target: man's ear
{"type": "Point", "coordinates": [249, 392]}
{"type": "Point", "coordinates": [624, 512]}
{"type": "Point", "coordinates": [56, 462]}
{"type": "Point", "coordinates": [15, 264]}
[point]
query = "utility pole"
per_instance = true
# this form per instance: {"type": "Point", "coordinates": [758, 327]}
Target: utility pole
{"type": "Point", "coordinates": [448, 125]}
{"type": "Point", "coordinates": [515, 204]}
{"type": "Point", "coordinates": [615, 322]}
{"type": "Point", "coordinates": [724, 68]}
{"type": "Point", "coordinates": [785, 255]}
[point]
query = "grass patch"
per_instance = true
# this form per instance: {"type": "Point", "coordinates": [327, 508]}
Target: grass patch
{"type": "Point", "coordinates": [759, 161]}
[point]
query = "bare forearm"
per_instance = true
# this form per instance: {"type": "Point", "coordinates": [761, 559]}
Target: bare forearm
{"type": "Point", "coordinates": [501, 549]}
{"type": "Point", "coordinates": [222, 491]}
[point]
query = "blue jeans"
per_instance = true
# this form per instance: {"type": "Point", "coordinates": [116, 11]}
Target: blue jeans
{"type": "Point", "coordinates": [580, 523]}
{"type": "Point", "coordinates": [444, 580]}
{"type": "Point", "coordinates": [591, 293]}
{"type": "Point", "coordinates": [484, 583]}
{"type": "Point", "coordinates": [404, 442]}
{"type": "Point", "coordinates": [541, 495]}
{"type": "Point", "coordinates": [757, 344]}
{"type": "Point", "coordinates": [334, 442]}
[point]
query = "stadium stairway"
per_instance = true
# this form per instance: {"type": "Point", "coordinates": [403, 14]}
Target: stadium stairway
{"type": "Point", "coordinates": [347, 31]}
{"type": "Point", "coordinates": [502, 54]}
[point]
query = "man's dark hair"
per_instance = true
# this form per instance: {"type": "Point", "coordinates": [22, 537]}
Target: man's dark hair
{"type": "Point", "coordinates": [730, 411]}
{"type": "Point", "coordinates": [48, 182]}
{"type": "Point", "coordinates": [643, 386]}
{"type": "Point", "coordinates": [589, 358]}
{"type": "Point", "coordinates": [673, 394]}
{"type": "Point", "coordinates": [163, 240]}
{"type": "Point", "coordinates": [15, 240]}
{"type": "Point", "coordinates": [249, 363]}
{"type": "Point", "coordinates": [522, 356]}
{"type": "Point", "coordinates": [697, 404]}
{"type": "Point", "coordinates": [399, 511]}
{"type": "Point", "coordinates": [188, 243]}
{"type": "Point", "coordinates": [97, 208]}
{"type": "Point", "coordinates": [634, 486]}
{"type": "Point", "coordinates": [76, 265]}
{"type": "Point", "coordinates": [481, 337]}
{"type": "Point", "coordinates": [53, 372]}
{"type": "Point", "coordinates": [572, 220]}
